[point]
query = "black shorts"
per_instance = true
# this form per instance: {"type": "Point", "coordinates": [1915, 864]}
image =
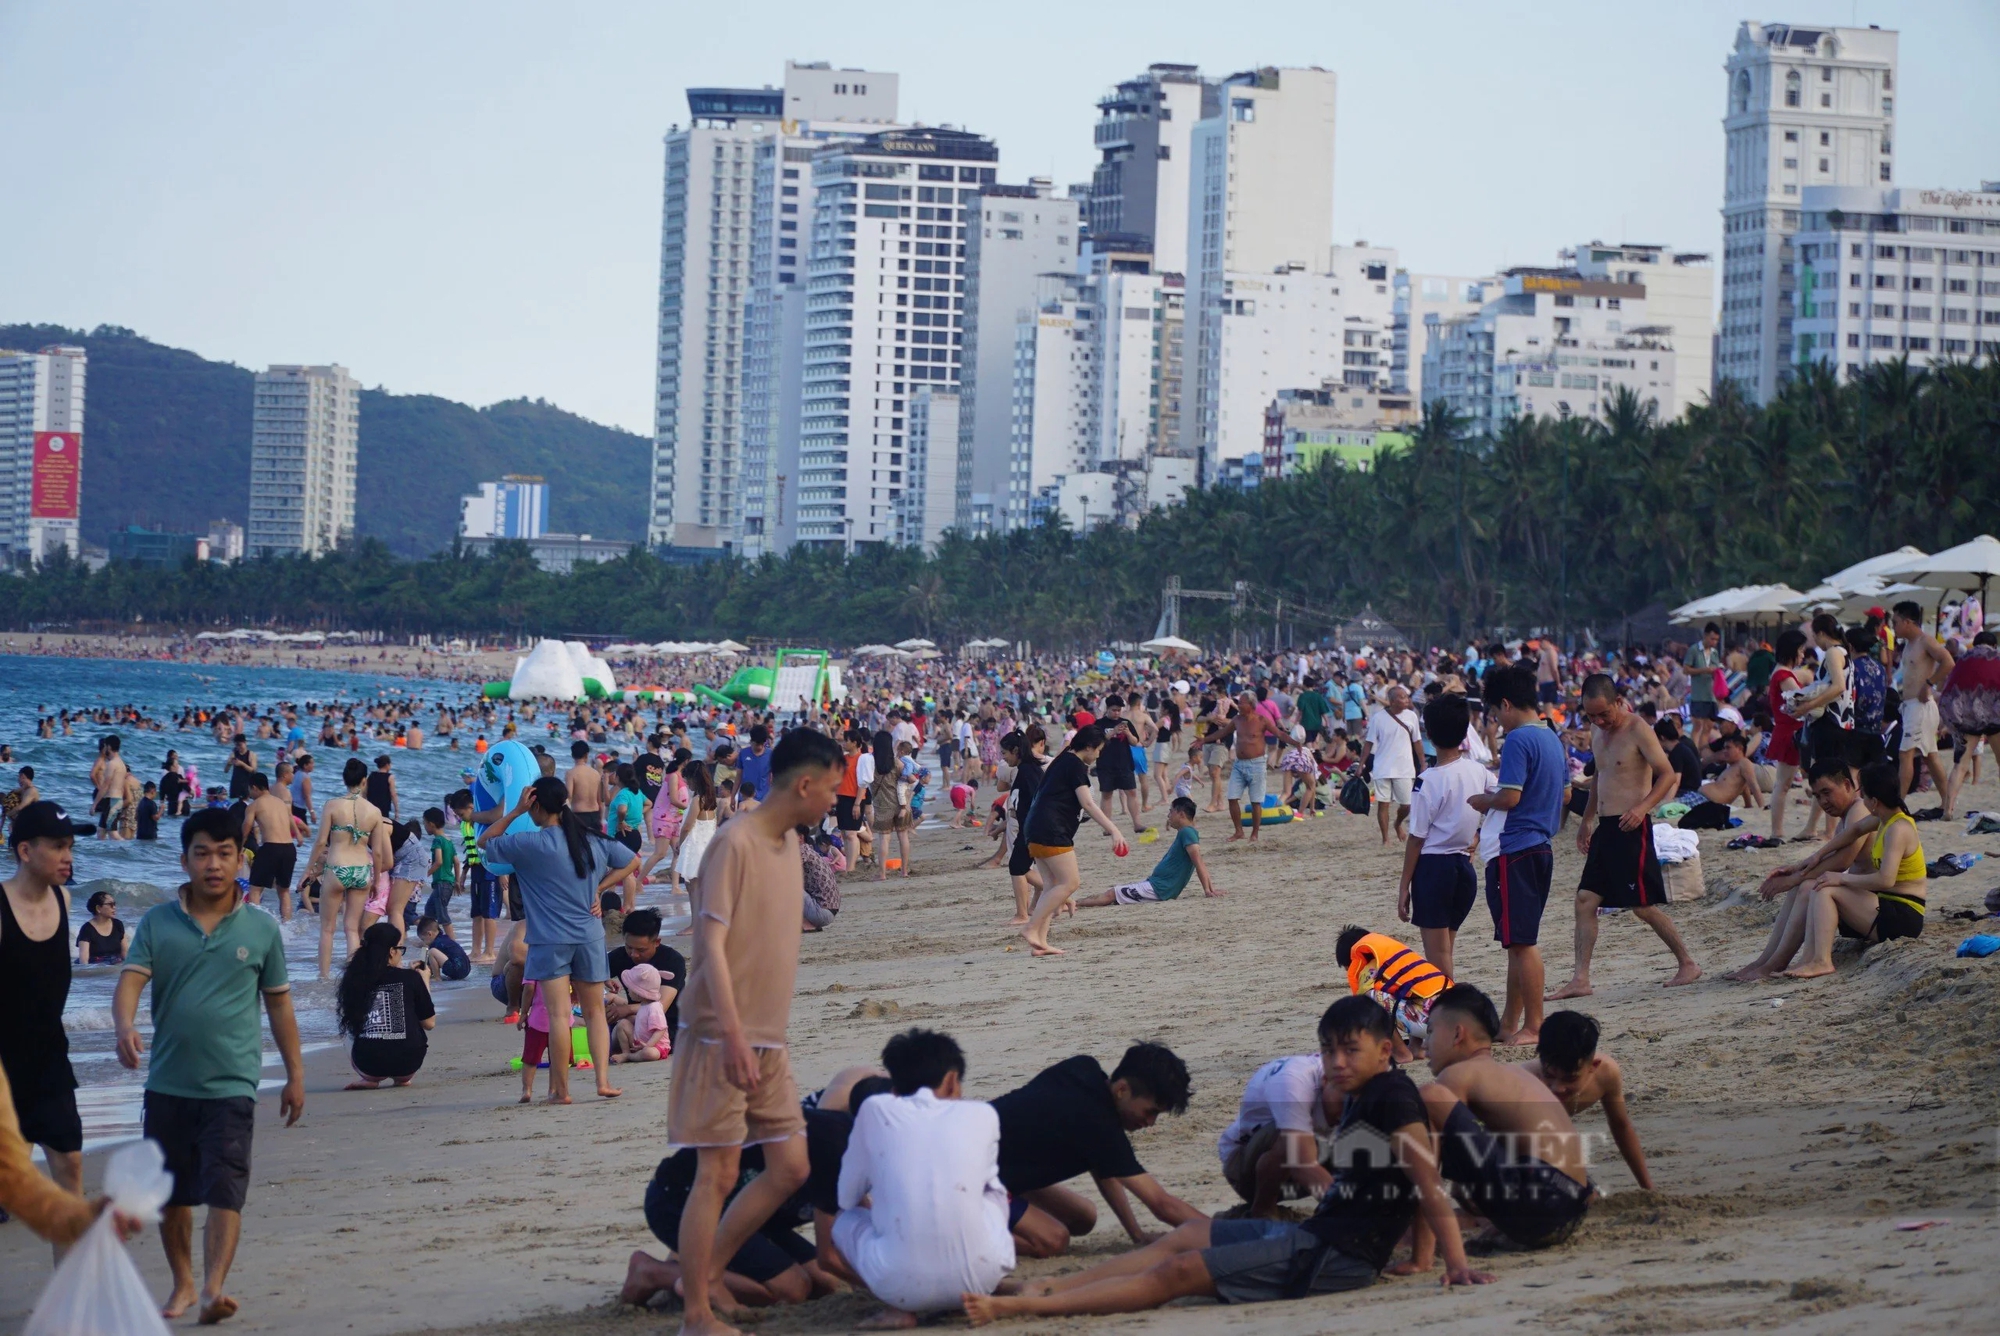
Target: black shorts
{"type": "Point", "coordinates": [1701, 709]}
{"type": "Point", "coordinates": [1548, 693]}
{"type": "Point", "coordinates": [207, 1145]}
{"type": "Point", "coordinates": [764, 1256]}
{"type": "Point", "coordinates": [630, 839]}
{"type": "Point", "coordinates": [846, 815]}
{"type": "Point", "coordinates": [516, 911]}
{"type": "Point", "coordinates": [1517, 890]}
{"type": "Point", "coordinates": [1117, 781]}
{"type": "Point", "coordinates": [1533, 1203]}
{"type": "Point", "coordinates": [1019, 861]}
{"type": "Point", "coordinates": [592, 821]}
{"type": "Point", "coordinates": [1893, 919]}
{"type": "Point", "coordinates": [1623, 869]}
{"type": "Point", "coordinates": [48, 1116]}
{"type": "Point", "coordinates": [1442, 890]}
{"type": "Point", "coordinates": [273, 865]}
{"type": "Point", "coordinates": [1704, 815]}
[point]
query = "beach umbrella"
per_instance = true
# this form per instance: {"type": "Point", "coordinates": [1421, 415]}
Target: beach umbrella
{"type": "Point", "coordinates": [1711, 604]}
{"type": "Point", "coordinates": [1850, 579]}
{"type": "Point", "coordinates": [914, 643]}
{"type": "Point", "coordinates": [731, 647]}
{"type": "Point", "coordinates": [1855, 606]}
{"type": "Point", "coordinates": [1967, 566]}
{"type": "Point", "coordinates": [1772, 602]}
{"type": "Point", "coordinates": [1169, 644]}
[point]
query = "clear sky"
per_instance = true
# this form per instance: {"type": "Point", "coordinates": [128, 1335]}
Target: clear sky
{"type": "Point", "coordinates": [464, 198]}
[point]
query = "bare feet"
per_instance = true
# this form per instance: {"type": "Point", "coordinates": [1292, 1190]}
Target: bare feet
{"type": "Point", "coordinates": [218, 1309]}
{"type": "Point", "coordinates": [363, 1084]}
{"type": "Point", "coordinates": [1574, 988]}
{"type": "Point", "coordinates": [527, 1099]}
{"type": "Point", "coordinates": [887, 1319]}
{"type": "Point", "coordinates": [708, 1326]}
{"type": "Point", "coordinates": [1233, 838]}
{"type": "Point", "coordinates": [1522, 1038]}
{"type": "Point", "coordinates": [1750, 974]}
{"type": "Point", "coordinates": [985, 1308]}
{"type": "Point", "coordinates": [1686, 974]}
{"type": "Point", "coordinates": [1403, 1268]}
{"type": "Point", "coordinates": [1808, 971]}
{"type": "Point", "coordinates": [645, 1276]}
{"type": "Point", "coordinates": [555, 1098]}
{"type": "Point", "coordinates": [1015, 923]}
{"type": "Point", "coordinates": [606, 1092]}
{"type": "Point", "coordinates": [178, 1302]}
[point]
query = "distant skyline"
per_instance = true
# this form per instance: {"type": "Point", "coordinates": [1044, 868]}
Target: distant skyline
{"type": "Point", "coordinates": [464, 200]}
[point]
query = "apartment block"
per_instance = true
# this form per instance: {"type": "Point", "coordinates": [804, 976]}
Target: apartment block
{"type": "Point", "coordinates": [304, 435]}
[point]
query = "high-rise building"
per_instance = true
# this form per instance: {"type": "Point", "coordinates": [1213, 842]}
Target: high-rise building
{"type": "Point", "coordinates": [1144, 131]}
{"type": "Point", "coordinates": [1886, 274]}
{"type": "Point", "coordinates": [515, 507]}
{"type": "Point", "coordinates": [305, 426]}
{"type": "Point", "coordinates": [930, 492]}
{"type": "Point", "coordinates": [1807, 107]}
{"type": "Point", "coordinates": [1051, 388]}
{"type": "Point", "coordinates": [885, 316]}
{"type": "Point", "coordinates": [821, 104]}
{"type": "Point", "coordinates": [712, 261]}
{"type": "Point", "coordinates": [41, 452]}
{"type": "Point", "coordinates": [1680, 301]}
{"type": "Point", "coordinates": [1554, 343]}
{"type": "Point", "coordinates": [1260, 201]}
{"type": "Point", "coordinates": [1017, 234]}
{"type": "Point", "coordinates": [1422, 301]}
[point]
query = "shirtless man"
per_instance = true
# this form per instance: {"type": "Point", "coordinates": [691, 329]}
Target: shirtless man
{"type": "Point", "coordinates": [1251, 731]}
{"type": "Point", "coordinates": [109, 775]}
{"type": "Point", "coordinates": [276, 829]}
{"type": "Point", "coordinates": [1925, 665]}
{"type": "Point", "coordinates": [1737, 780]}
{"type": "Point", "coordinates": [1621, 868]}
{"type": "Point", "coordinates": [586, 787]}
{"type": "Point", "coordinates": [1505, 1141]}
{"type": "Point", "coordinates": [1568, 1063]}
{"type": "Point", "coordinates": [1832, 785]}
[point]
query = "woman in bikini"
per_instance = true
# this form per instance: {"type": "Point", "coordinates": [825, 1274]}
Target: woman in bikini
{"type": "Point", "coordinates": [353, 846]}
{"type": "Point", "coordinates": [1881, 897]}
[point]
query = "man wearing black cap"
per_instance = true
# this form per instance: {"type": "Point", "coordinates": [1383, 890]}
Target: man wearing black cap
{"type": "Point", "coordinates": [34, 986]}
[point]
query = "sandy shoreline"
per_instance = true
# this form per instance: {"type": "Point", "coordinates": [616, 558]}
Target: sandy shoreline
{"type": "Point", "coordinates": [1788, 1141]}
{"type": "Point", "coordinates": [397, 660]}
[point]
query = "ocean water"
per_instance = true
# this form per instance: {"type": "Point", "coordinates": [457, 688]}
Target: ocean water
{"type": "Point", "coordinates": [145, 873]}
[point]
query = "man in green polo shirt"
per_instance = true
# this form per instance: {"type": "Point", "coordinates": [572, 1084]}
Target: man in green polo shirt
{"type": "Point", "coordinates": [1313, 710]}
{"type": "Point", "coordinates": [209, 957]}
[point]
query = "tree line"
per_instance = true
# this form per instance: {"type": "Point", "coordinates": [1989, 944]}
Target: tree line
{"type": "Point", "coordinates": [1552, 524]}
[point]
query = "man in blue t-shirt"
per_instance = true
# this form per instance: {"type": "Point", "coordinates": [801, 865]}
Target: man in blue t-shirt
{"type": "Point", "coordinates": [753, 767]}
{"type": "Point", "coordinates": [1534, 778]}
{"type": "Point", "coordinates": [1180, 863]}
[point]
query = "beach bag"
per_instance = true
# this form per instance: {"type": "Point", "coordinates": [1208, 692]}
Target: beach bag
{"type": "Point", "coordinates": [1354, 795]}
{"type": "Point", "coordinates": [97, 1291]}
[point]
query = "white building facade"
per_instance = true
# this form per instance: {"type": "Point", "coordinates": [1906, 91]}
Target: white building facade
{"type": "Point", "coordinates": [885, 317]}
{"type": "Point", "coordinates": [1422, 302]}
{"type": "Point", "coordinates": [304, 438]}
{"type": "Point", "coordinates": [1260, 201]}
{"type": "Point", "coordinates": [41, 452]}
{"type": "Point", "coordinates": [1016, 234]}
{"type": "Point", "coordinates": [1808, 106]}
{"type": "Point", "coordinates": [711, 450]}
{"type": "Point", "coordinates": [1053, 377]}
{"type": "Point", "coordinates": [1885, 274]}
{"type": "Point", "coordinates": [1680, 302]}
{"type": "Point", "coordinates": [517, 506]}
{"type": "Point", "coordinates": [929, 499]}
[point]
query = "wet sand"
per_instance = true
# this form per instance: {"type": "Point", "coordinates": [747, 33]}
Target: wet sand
{"type": "Point", "coordinates": [1788, 1141]}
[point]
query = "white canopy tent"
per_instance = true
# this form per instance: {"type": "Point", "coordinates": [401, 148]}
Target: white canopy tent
{"type": "Point", "coordinates": [1967, 566]}
{"type": "Point", "coordinates": [727, 646]}
{"type": "Point", "coordinates": [915, 643]}
{"type": "Point", "coordinates": [1169, 644]}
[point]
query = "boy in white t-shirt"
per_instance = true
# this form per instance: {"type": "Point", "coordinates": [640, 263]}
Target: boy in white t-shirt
{"type": "Point", "coordinates": [1439, 885]}
{"type": "Point", "coordinates": [1271, 1153]}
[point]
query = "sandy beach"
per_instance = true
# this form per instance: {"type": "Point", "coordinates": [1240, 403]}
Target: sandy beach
{"type": "Point", "coordinates": [397, 659]}
{"type": "Point", "coordinates": [1791, 1127]}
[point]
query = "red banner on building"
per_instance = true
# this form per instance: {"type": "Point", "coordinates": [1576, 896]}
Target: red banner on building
{"type": "Point", "coordinates": [58, 475]}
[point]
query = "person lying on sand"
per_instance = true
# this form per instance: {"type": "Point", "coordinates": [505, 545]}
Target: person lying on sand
{"type": "Point", "coordinates": [1568, 1063]}
{"type": "Point", "coordinates": [1385, 1173]}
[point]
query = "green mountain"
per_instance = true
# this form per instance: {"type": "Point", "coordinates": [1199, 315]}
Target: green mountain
{"type": "Point", "coordinates": [167, 442]}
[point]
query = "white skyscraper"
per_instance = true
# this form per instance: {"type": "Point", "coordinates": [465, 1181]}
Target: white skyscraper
{"type": "Point", "coordinates": [1144, 131]}
{"type": "Point", "coordinates": [1680, 303]}
{"type": "Point", "coordinates": [305, 427]}
{"type": "Point", "coordinates": [713, 259]}
{"type": "Point", "coordinates": [1017, 235]}
{"type": "Point", "coordinates": [1260, 200]}
{"type": "Point", "coordinates": [1053, 377]}
{"type": "Point", "coordinates": [41, 451]}
{"type": "Point", "coordinates": [1807, 107]}
{"type": "Point", "coordinates": [885, 315]}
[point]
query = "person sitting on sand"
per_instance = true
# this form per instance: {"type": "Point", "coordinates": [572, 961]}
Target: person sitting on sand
{"type": "Point", "coordinates": [927, 1163]}
{"type": "Point", "coordinates": [1181, 862]}
{"type": "Point", "coordinates": [1833, 788]}
{"type": "Point", "coordinates": [641, 1036]}
{"type": "Point", "coordinates": [1882, 896]}
{"type": "Point", "coordinates": [1404, 983]}
{"type": "Point", "coordinates": [1385, 1173]}
{"type": "Point", "coordinates": [1271, 1153]}
{"type": "Point", "coordinates": [1487, 1115]}
{"type": "Point", "coordinates": [774, 1265]}
{"type": "Point", "coordinates": [1737, 780]}
{"type": "Point", "coordinates": [385, 1009]}
{"type": "Point", "coordinates": [1567, 1062]}
{"type": "Point", "coordinates": [1073, 1119]}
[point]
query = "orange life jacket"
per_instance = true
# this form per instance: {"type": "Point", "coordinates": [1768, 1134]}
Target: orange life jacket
{"type": "Point", "coordinates": [1399, 971]}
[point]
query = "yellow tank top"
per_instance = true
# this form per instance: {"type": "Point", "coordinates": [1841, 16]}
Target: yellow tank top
{"type": "Point", "coordinates": [1913, 867]}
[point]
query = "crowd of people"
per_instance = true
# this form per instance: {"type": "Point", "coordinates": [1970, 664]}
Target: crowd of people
{"type": "Point", "coordinates": [1474, 762]}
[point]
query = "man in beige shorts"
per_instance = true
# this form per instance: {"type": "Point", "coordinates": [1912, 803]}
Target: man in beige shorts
{"type": "Point", "coordinates": [732, 1084]}
{"type": "Point", "coordinates": [1926, 664]}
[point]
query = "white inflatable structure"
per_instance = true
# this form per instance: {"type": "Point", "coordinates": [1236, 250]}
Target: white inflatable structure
{"type": "Point", "coordinates": [588, 665]}
{"type": "Point", "coordinates": [548, 673]}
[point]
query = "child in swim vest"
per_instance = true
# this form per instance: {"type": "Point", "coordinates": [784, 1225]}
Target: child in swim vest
{"type": "Point", "coordinates": [1403, 981]}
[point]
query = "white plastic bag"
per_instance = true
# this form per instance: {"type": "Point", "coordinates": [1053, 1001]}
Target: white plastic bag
{"type": "Point", "coordinates": [97, 1291]}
